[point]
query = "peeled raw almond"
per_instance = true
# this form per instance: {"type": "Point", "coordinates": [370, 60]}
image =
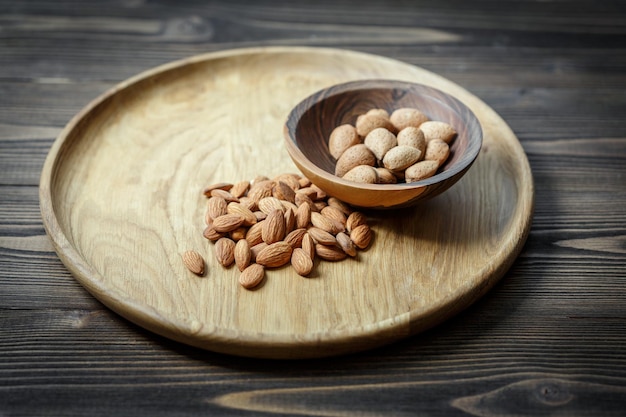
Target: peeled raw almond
{"type": "Point", "coordinates": [301, 262]}
{"type": "Point", "coordinates": [361, 236]}
{"type": "Point", "coordinates": [243, 256]}
{"type": "Point", "coordinates": [225, 251]}
{"type": "Point", "coordinates": [275, 255]}
{"type": "Point", "coordinates": [252, 276]}
{"type": "Point", "coordinates": [346, 244]}
{"type": "Point", "coordinates": [330, 253]}
{"type": "Point", "coordinates": [194, 262]}
{"type": "Point", "coordinates": [227, 222]}
{"type": "Point", "coordinates": [273, 227]}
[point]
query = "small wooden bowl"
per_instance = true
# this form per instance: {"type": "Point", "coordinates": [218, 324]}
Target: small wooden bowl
{"type": "Point", "coordinates": [310, 123]}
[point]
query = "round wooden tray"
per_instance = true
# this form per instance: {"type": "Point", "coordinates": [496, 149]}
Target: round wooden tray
{"type": "Point", "coordinates": [121, 198]}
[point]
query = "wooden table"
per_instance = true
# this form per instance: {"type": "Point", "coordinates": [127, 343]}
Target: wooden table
{"type": "Point", "coordinates": [548, 339]}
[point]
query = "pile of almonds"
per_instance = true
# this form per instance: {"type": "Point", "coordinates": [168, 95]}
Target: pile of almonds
{"type": "Point", "coordinates": [267, 223]}
{"type": "Point", "coordinates": [385, 149]}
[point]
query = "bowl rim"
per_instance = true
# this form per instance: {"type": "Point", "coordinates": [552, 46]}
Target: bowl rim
{"type": "Point", "coordinates": [326, 93]}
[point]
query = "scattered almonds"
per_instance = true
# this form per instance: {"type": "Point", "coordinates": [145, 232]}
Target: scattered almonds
{"type": "Point", "coordinates": [381, 148]}
{"type": "Point", "coordinates": [194, 262]}
{"type": "Point", "coordinates": [269, 223]}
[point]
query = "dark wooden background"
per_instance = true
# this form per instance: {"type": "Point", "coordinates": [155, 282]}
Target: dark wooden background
{"type": "Point", "coordinates": [550, 339]}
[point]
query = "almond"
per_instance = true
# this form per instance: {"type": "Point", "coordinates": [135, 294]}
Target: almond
{"type": "Point", "coordinates": [346, 244]}
{"type": "Point", "coordinates": [252, 276]}
{"type": "Point", "coordinates": [321, 236]}
{"type": "Point", "coordinates": [329, 253]}
{"type": "Point", "coordinates": [261, 189]}
{"type": "Point", "coordinates": [225, 251]}
{"type": "Point", "coordinates": [216, 207]}
{"type": "Point", "coordinates": [412, 136]}
{"type": "Point", "coordinates": [294, 238]}
{"type": "Point", "coordinates": [273, 229]}
{"type": "Point", "coordinates": [401, 157]}
{"type": "Point", "coordinates": [238, 234]}
{"type": "Point", "coordinates": [379, 141]}
{"type": "Point", "coordinates": [385, 176]}
{"type": "Point", "coordinates": [290, 220]}
{"type": "Point", "coordinates": [243, 256]}
{"type": "Point", "coordinates": [365, 123]}
{"type": "Point", "coordinates": [437, 150]}
{"type": "Point", "coordinates": [292, 180]}
{"type": "Point", "coordinates": [354, 156]}
{"type": "Point", "coordinates": [275, 255]}
{"type": "Point", "coordinates": [227, 222]}
{"type": "Point", "coordinates": [237, 208]}
{"type": "Point", "coordinates": [217, 186]}
{"type": "Point", "coordinates": [341, 138]}
{"type": "Point", "coordinates": [361, 236]}
{"type": "Point", "coordinates": [211, 234]}
{"type": "Point", "coordinates": [254, 236]}
{"type": "Point", "coordinates": [305, 199]}
{"type": "Point", "coordinates": [240, 189]}
{"type": "Point", "coordinates": [321, 194]}
{"type": "Point", "coordinates": [304, 182]}
{"type": "Point", "coordinates": [354, 220]}
{"type": "Point", "coordinates": [268, 204]}
{"type": "Point", "coordinates": [378, 112]}
{"type": "Point", "coordinates": [438, 130]}
{"type": "Point", "coordinates": [303, 216]}
{"type": "Point", "coordinates": [194, 262]}
{"type": "Point", "coordinates": [335, 202]}
{"type": "Point", "coordinates": [421, 170]}
{"type": "Point", "coordinates": [254, 250]}
{"type": "Point", "coordinates": [322, 222]}
{"type": "Point", "coordinates": [308, 245]}
{"type": "Point", "coordinates": [363, 174]}
{"type": "Point", "coordinates": [405, 117]}
{"type": "Point", "coordinates": [282, 191]}
{"type": "Point", "coordinates": [224, 194]}
{"type": "Point", "coordinates": [335, 214]}
{"type": "Point", "coordinates": [301, 262]}
{"type": "Point", "coordinates": [309, 192]}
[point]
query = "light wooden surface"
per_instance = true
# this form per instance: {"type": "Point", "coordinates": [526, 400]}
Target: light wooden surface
{"type": "Point", "coordinates": [547, 339]}
{"type": "Point", "coordinates": [121, 196]}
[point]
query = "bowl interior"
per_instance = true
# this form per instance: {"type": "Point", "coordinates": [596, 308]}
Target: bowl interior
{"type": "Point", "coordinates": [312, 121]}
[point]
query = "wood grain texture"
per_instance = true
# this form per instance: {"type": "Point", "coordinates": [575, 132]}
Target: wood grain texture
{"type": "Point", "coordinates": [548, 339]}
{"type": "Point", "coordinates": [121, 199]}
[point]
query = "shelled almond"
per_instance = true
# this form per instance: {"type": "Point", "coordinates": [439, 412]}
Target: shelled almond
{"type": "Point", "coordinates": [268, 223]}
{"type": "Point", "coordinates": [385, 149]}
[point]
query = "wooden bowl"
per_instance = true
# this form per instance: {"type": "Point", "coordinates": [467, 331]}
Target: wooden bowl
{"type": "Point", "coordinates": [310, 123]}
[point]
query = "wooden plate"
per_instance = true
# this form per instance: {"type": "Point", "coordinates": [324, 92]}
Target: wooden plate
{"type": "Point", "coordinates": [121, 198]}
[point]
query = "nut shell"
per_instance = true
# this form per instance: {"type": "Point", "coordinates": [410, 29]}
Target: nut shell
{"type": "Point", "coordinates": [354, 156]}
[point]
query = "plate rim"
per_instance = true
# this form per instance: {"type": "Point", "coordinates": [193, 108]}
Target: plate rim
{"type": "Point", "coordinates": [269, 344]}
